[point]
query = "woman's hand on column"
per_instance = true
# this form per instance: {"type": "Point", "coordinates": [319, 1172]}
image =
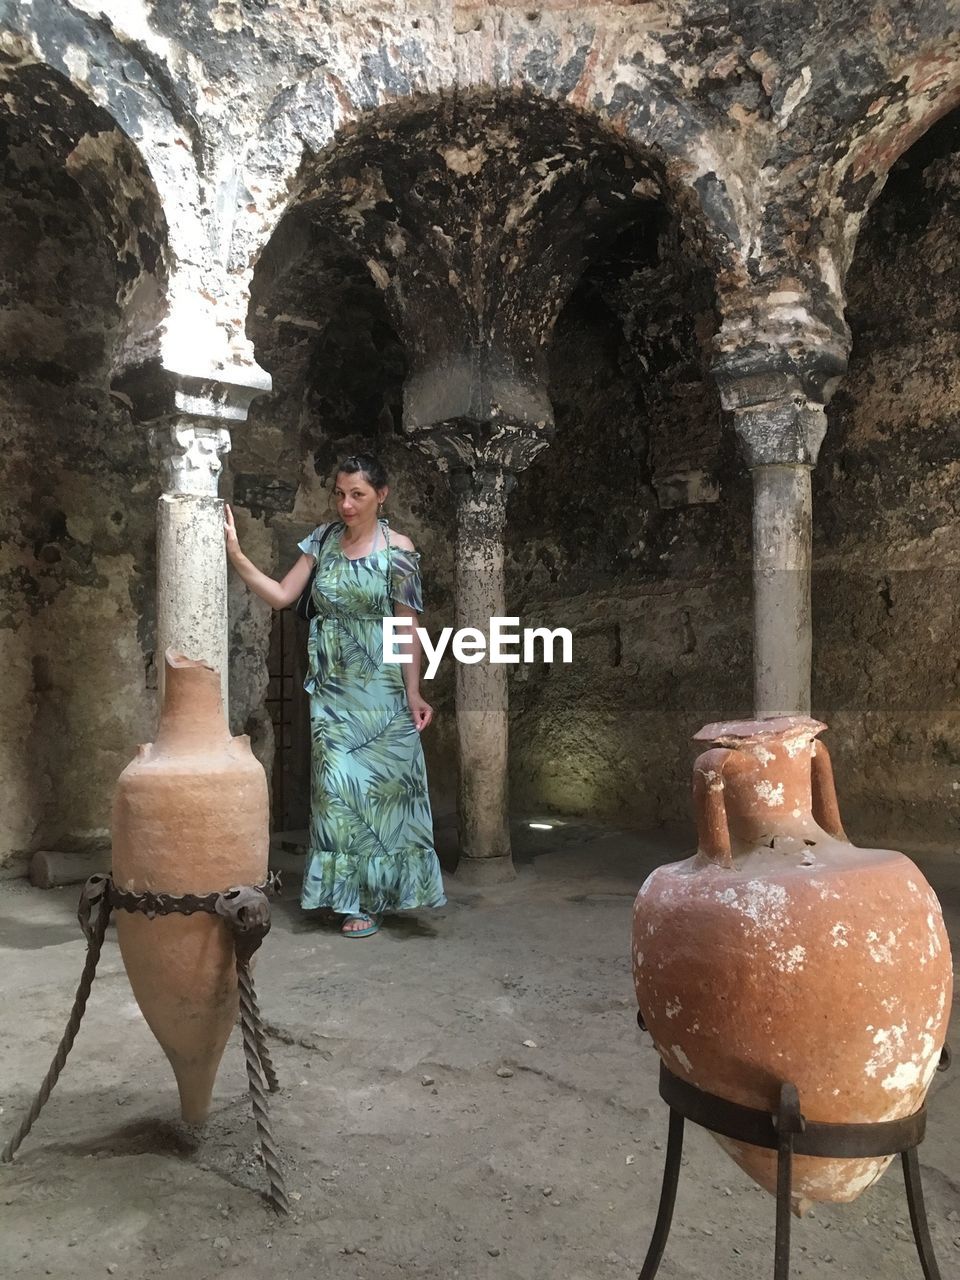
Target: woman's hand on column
{"type": "Point", "coordinates": [230, 532]}
{"type": "Point", "coordinates": [421, 711]}
{"type": "Point", "coordinates": [278, 595]}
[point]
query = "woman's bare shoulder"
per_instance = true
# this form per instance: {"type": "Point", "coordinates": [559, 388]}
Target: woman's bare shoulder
{"type": "Point", "coordinates": [401, 541]}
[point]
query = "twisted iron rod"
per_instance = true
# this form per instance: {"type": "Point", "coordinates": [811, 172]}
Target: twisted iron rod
{"type": "Point", "coordinates": [266, 1062]}
{"type": "Point", "coordinates": [253, 1035]}
{"type": "Point", "coordinates": [94, 946]}
{"type": "Point", "coordinates": [247, 914]}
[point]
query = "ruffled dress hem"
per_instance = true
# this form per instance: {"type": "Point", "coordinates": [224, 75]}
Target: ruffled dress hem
{"type": "Point", "coordinates": [406, 880]}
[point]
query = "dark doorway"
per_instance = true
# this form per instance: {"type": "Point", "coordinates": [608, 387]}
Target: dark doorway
{"type": "Point", "coordinates": [288, 708]}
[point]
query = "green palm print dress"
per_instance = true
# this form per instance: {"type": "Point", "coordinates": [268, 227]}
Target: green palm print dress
{"type": "Point", "coordinates": [371, 829]}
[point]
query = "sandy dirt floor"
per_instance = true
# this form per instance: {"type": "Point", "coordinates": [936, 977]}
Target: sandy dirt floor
{"type": "Point", "coordinates": [466, 1094]}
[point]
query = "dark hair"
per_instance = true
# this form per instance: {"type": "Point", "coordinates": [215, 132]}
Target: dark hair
{"type": "Point", "coordinates": [371, 468]}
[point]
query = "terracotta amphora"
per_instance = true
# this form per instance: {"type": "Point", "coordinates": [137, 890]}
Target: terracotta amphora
{"type": "Point", "coordinates": [780, 952]}
{"type": "Point", "coordinates": [190, 816]}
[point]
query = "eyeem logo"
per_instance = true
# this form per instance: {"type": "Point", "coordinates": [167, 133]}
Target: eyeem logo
{"type": "Point", "coordinates": [470, 644]}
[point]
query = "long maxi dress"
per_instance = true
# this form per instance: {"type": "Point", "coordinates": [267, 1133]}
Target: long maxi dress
{"type": "Point", "coordinates": [371, 829]}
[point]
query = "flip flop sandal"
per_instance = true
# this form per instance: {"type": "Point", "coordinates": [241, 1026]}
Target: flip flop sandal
{"type": "Point", "coordinates": [372, 926]}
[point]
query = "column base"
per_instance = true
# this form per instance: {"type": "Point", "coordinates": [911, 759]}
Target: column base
{"type": "Point", "coordinates": [485, 871]}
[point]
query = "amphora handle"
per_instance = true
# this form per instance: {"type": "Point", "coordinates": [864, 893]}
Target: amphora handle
{"type": "Point", "coordinates": [826, 810]}
{"type": "Point", "coordinates": [713, 830]}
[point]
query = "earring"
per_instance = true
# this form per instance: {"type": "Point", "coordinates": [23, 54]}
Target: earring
{"type": "Point", "coordinates": [379, 508]}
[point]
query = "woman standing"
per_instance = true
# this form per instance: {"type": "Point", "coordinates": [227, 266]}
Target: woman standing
{"type": "Point", "coordinates": [371, 830]}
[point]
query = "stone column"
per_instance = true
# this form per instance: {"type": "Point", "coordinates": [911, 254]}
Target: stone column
{"type": "Point", "coordinates": [481, 458]}
{"type": "Point", "coordinates": [191, 560]}
{"type": "Point", "coordinates": [189, 416]}
{"type": "Point", "coordinates": [778, 403]}
{"type": "Point", "coordinates": [782, 624]}
{"type": "Point", "coordinates": [481, 688]}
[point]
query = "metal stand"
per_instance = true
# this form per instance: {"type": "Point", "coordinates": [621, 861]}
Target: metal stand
{"type": "Point", "coordinates": [788, 1133]}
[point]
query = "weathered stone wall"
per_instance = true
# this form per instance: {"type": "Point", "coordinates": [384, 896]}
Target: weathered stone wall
{"type": "Point", "coordinates": [887, 515]}
{"type": "Point", "coordinates": [77, 612]}
{"type": "Point", "coordinates": [610, 535]}
{"type": "Point", "coordinates": [77, 499]}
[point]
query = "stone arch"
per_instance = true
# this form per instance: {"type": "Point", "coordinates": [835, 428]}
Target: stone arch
{"type": "Point", "coordinates": [831, 179]}
{"type": "Point", "coordinates": [595, 74]}
{"type": "Point", "coordinates": [626, 530]}
{"type": "Point", "coordinates": [318, 324]}
{"type": "Point", "coordinates": [367, 136]}
{"type": "Point", "coordinates": [122, 77]}
{"type": "Point", "coordinates": [93, 154]}
{"type": "Point", "coordinates": [447, 146]}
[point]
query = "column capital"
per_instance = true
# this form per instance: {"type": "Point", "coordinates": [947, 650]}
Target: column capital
{"type": "Point", "coordinates": [481, 449]}
{"type": "Point", "coordinates": [778, 399]}
{"type": "Point", "coordinates": [190, 453]}
{"type": "Point", "coordinates": [780, 357]}
{"type": "Point", "coordinates": [153, 391]}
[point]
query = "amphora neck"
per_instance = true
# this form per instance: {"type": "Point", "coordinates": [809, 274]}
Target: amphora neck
{"type": "Point", "coordinates": [764, 771]}
{"type": "Point", "coordinates": [192, 715]}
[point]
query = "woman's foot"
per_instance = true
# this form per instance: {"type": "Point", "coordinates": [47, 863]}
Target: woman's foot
{"type": "Point", "coordinates": [360, 926]}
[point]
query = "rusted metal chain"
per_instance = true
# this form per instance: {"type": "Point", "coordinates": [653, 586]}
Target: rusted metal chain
{"type": "Point", "coordinates": [94, 894]}
{"type": "Point", "coordinates": [152, 904]}
{"type": "Point", "coordinates": [247, 913]}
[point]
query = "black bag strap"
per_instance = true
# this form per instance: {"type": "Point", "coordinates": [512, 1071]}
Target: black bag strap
{"type": "Point", "coordinates": [323, 537]}
{"type": "Point", "coordinates": [305, 607]}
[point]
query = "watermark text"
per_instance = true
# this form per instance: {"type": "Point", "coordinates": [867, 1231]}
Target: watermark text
{"type": "Point", "coordinates": [505, 643]}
